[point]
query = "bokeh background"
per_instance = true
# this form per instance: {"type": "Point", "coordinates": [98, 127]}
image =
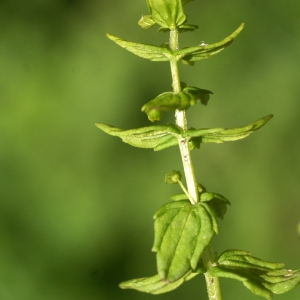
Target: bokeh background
{"type": "Point", "coordinates": [76, 205]}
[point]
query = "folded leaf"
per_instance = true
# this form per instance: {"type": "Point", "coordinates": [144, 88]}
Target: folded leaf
{"type": "Point", "coordinates": [170, 101]}
{"type": "Point", "coordinates": [220, 135]}
{"type": "Point", "coordinates": [191, 54]}
{"type": "Point", "coordinates": [182, 231]}
{"type": "Point", "coordinates": [260, 277]}
{"type": "Point", "coordinates": [154, 285]}
{"type": "Point", "coordinates": [151, 52]}
{"type": "Point", "coordinates": [156, 137]}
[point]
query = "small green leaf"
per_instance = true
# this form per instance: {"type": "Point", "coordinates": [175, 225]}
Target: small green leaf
{"type": "Point", "coordinates": [220, 135]}
{"type": "Point", "coordinates": [146, 22]}
{"type": "Point", "coordinates": [191, 54]}
{"type": "Point", "coordinates": [167, 13]}
{"type": "Point", "coordinates": [179, 197]}
{"type": "Point", "coordinates": [154, 285]}
{"type": "Point", "coordinates": [151, 52]}
{"type": "Point", "coordinates": [170, 101]}
{"type": "Point", "coordinates": [182, 231]}
{"type": "Point", "coordinates": [156, 137]}
{"type": "Point", "coordinates": [217, 203]}
{"type": "Point", "coordinates": [173, 177]}
{"type": "Point", "coordinates": [260, 277]}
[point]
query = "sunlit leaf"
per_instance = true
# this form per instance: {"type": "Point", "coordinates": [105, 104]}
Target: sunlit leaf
{"type": "Point", "coordinates": [154, 285]}
{"type": "Point", "coordinates": [150, 52]}
{"type": "Point", "coordinates": [182, 231]}
{"type": "Point", "coordinates": [156, 137]}
{"type": "Point", "coordinates": [220, 135]}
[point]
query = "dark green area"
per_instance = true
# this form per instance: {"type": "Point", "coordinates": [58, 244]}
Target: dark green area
{"type": "Point", "coordinates": [76, 205]}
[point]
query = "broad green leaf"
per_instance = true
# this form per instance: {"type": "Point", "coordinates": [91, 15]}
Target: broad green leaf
{"type": "Point", "coordinates": [220, 135]}
{"type": "Point", "coordinates": [191, 54]}
{"type": "Point", "coordinates": [182, 231]}
{"type": "Point", "coordinates": [170, 101]}
{"type": "Point", "coordinates": [150, 52]}
{"type": "Point", "coordinates": [260, 277]}
{"type": "Point", "coordinates": [167, 13]}
{"type": "Point", "coordinates": [173, 177]}
{"type": "Point", "coordinates": [156, 137]}
{"type": "Point", "coordinates": [154, 285]}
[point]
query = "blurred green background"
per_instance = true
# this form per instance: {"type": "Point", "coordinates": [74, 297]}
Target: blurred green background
{"type": "Point", "coordinates": [77, 205]}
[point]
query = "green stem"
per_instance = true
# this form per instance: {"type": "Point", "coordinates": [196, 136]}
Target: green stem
{"type": "Point", "coordinates": [212, 283]}
{"type": "Point", "coordinates": [181, 121]}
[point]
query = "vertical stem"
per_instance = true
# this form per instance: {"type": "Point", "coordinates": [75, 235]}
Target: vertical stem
{"type": "Point", "coordinates": [212, 283]}
{"type": "Point", "coordinates": [181, 121]}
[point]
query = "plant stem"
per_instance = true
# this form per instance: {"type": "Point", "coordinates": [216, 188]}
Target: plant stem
{"type": "Point", "coordinates": [212, 283]}
{"type": "Point", "coordinates": [181, 121]}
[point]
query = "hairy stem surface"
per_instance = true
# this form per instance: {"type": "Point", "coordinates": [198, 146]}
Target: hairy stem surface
{"type": "Point", "coordinates": [212, 283]}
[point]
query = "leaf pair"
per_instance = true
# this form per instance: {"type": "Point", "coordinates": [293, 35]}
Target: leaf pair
{"type": "Point", "coordinates": [188, 55]}
{"type": "Point", "coordinates": [162, 137]}
{"type": "Point", "coordinates": [170, 101]}
{"type": "Point", "coordinates": [260, 277]}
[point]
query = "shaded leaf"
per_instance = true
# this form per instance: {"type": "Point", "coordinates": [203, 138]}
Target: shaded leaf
{"type": "Point", "coordinates": [191, 54]}
{"type": "Point", "coordinates": [150, 52]}
{"type": "Point", "coordinates": [182, 231]}
{"type": "Point", "coordinates": [154, 285]}
{"type": "Point", "coordinates": [156, 137]}
{"type": "Point", "coordinates": [261, 277]}
{"type": "Point", "coordinates": [220, 135]}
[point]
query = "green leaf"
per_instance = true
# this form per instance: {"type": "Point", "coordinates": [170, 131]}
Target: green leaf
{"type": "Point", "coordinates": [146, 22]}
{"type": "Point", "coordinates": [150, 52]}
{"type": "Point", "coordinates": [191, 54]}
{"type": "Point", "coordinates": [182, 231]}
{"type": "Point", "coordinates": [260, 277]}
{"type": "Point", "coordinates": [167, 13]}
{"type": "Point", "coordinates": [217, 203]}
{"type": "Point", "coordinates": [154, 285]}
{"type": "Point", "coordinates": [156, 137]}
{"type": "Point", "coordinates": [179, 197]}
{"type": "Point", "coordinates": [220, 135]}
{"type": "Point", "coordinates": [170, 101]}
{"type": "Point", "coordinates": [173, 177]}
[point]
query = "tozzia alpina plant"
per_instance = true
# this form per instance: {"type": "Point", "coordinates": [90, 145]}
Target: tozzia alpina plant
{"type": "Point", "coordinates": [184, 228]}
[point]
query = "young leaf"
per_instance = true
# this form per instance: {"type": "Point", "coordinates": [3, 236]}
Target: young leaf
{"type": "Point", "coordinates": [151, 52]}
{"type": "Point", "coordinates": [156, 137]}
{"type": "Point", "coordinates": [182, 231]}
{"type": "Point", "coordinates": [154, 285]}
{"type": "Point", "coordinates": [191, 54]}
{"type": "Point", "coordinates": [260, 277]}
{"type": "Point", "coordinates": [173, 177]}
{"type": "Point", "coordinates": [146, 22]}
{"type": "Point", "coordinates": [167, 13]}
{"type": "Point", "coordinates": [170, 101]}
{"type": "Point", "coordinates": [220, 135]}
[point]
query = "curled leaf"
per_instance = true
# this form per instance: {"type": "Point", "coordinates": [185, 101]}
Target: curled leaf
{"type": "Point", "coordinates": [191, 54]}
{"type": "Point", "coordinates": [170, 101]}
{"type": "Point", "coordinates": [261, 277]}
{"type": "Point", "coordinates": [220, 135]}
